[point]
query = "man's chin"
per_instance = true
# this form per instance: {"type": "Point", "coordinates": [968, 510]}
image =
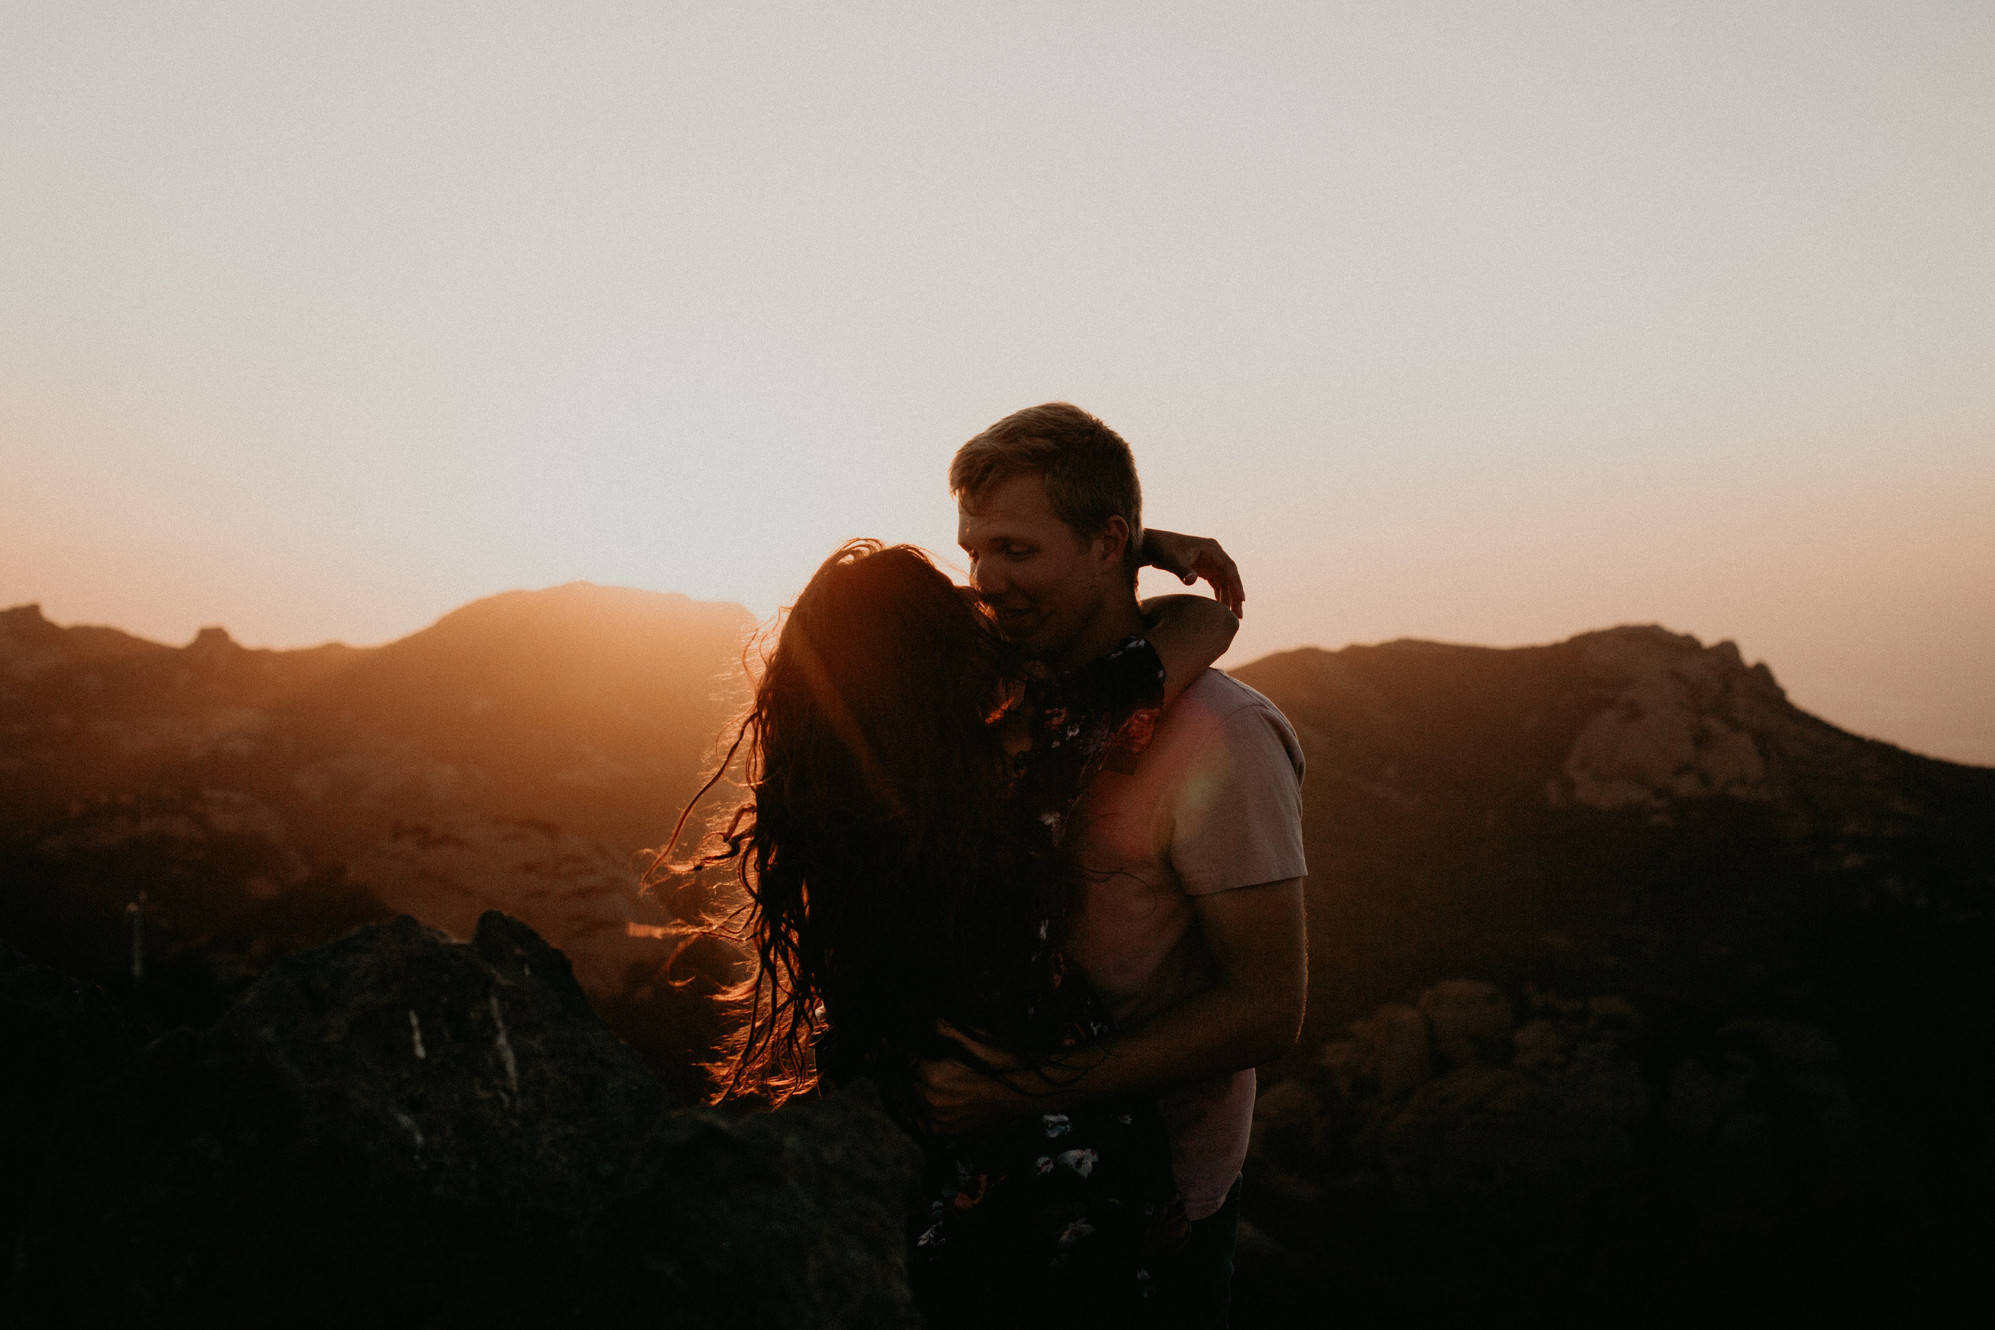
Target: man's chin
{"type": "Point", "coordinates": [1021, 632]}
{"type": "Point", "coordinates": [1040, 644]}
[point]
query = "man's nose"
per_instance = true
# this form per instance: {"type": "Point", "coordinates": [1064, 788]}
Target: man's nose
{"type": "Point", "coordinates": [986, 577]}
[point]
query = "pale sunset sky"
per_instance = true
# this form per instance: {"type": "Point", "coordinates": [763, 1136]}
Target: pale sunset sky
{"type": "Point", "coordinates": [1477, 321]}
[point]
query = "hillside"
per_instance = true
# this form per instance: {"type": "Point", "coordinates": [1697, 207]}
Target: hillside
{"type": "Point", "coordinates": [1630, 789]}
{"type": "Point", "coordinates": [198, 810]}
{"type": "Point", "coordinates": [1638, 996]}
{"type": "Point", "coordinates": [1630, 981]}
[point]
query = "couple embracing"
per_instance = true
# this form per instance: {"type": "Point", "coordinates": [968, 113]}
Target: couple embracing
{"type": "Point", "coordinates": [1015, 854]}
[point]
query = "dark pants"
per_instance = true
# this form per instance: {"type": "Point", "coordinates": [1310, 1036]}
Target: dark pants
{"type": "Point", "coordinates": [1196, 1289]}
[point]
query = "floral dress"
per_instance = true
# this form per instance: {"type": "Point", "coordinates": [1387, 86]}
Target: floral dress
{"type": "Point", "coordinates": [1057, 1218]}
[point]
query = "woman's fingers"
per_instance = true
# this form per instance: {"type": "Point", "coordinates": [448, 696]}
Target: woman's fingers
{"type": "Point", "coordinates": [961, 1098]}
{"type": "Point", "coordinates": [1216, 566]}
{"type": "Point", "coordinates": [983, 1053]}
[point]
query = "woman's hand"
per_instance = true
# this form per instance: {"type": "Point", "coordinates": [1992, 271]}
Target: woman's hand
{"type": "Point", "coordinates": [1190, 558]}
{"type": "Point", "coordinates": [963, 1098]}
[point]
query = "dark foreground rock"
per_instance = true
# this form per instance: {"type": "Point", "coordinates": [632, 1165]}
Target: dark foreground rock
{"type": "Point", "coordinates": [57, 1035]}
{"type": "Point", "coordinates": [401, 1130]}
{"type": "Point", "coordinates": [1474, 1158]}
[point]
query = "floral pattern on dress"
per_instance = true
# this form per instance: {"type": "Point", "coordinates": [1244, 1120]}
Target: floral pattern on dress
{"type": "Point", "coordinates": [1057, 1218]}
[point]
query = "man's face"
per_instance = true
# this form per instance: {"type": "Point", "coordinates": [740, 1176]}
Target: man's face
{"type": "Point", "coordinates": [1044, 582]}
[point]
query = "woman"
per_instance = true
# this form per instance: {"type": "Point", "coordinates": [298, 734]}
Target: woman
{"type": "Point", "coordinates": [900, 854]}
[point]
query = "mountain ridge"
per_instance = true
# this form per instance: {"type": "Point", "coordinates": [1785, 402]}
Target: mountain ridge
{"type": "Point", "coordinates": [28, 620]}
{"type": "Point", "coordinates": [1603, 918]}
{"type": "Point", "coordinates": [235, 803]}
{"type": "Point", "coordinates": [593, 711]}
{"type": "Point", "coordinates": [31, 643]}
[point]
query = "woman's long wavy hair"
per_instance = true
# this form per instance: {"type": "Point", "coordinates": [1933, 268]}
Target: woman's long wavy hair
{"type": "Point", "coordinates": [889, 883]}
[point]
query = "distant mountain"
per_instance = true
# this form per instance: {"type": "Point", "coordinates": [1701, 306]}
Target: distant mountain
{"type": "Point", "coordinates": [556, 705]}
{"type": "Point", "coordinates": [1613, 949]}
{"type": "Point", "coordinates": [513, 755]}
{"type": "Point", "coordinates": [1638, 996]}
{"type": "Point", "coordinates": [1628, 794]}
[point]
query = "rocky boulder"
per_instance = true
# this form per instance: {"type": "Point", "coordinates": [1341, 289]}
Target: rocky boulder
{"type": "Point", "coordinates": [57, 1036]}
{"type": "Point", "coordinates": [1389, 1051]}
{"type": "Point", "coordinates": [1440, 1165]}
{"type": "Point", "coordinates": [1469, 1023]}
{"type": "Point", "coordinates": [398, 1129]}
{"type": "Point", "coordinates": [1761, 1123]}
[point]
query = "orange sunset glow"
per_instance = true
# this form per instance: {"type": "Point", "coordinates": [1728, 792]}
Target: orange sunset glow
{"type": "Point", "coordinates": [495, 830]}
{"type": "Point", "coordinates": [1480, 323]}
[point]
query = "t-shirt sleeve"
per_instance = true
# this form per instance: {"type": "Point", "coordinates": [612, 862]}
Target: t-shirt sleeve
{"type": "Point", "coordinates": [1236, 820]}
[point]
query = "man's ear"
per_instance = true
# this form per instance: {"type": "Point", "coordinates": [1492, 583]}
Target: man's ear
{"type": "Point", "coordinates": [1111, 541]}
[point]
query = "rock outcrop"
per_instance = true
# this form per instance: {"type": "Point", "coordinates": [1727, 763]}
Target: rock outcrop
{"type": "Point", "coordinates": [1439, 1163]}
{"type": "Point", "coordinates": [1533, 1119]}
{"type": "Point", "coordinates": [1681, 726]}
{"type": "Point", "coordinates": [58, 1036]}
{"type": "Point", "coordinates": [400, 1130]}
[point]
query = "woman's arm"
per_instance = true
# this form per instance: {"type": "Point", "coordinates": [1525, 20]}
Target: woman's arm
{"type": "Point", "coordinates": [1188, 558]}
{"type": "Point", "coordinates": [1188, 634]}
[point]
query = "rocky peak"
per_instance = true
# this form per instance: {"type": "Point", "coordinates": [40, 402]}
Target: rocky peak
{"type": "Point", "coordinates": [1682, 723]}
{"type": "Point", "coordinates": [32, 645]}
{"type": "Point", "coordinates": [24, 625]}
{"type": "Point", "coordinates": [29, 643]}
{"type": "Point", "coordinates": [1635, 651]}
{"type": "Point", "coordinates": [22, 618]}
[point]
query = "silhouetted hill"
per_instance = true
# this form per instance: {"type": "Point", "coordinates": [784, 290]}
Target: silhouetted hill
{"type": "Point", "coordinates": [1628, 790]}
{"type": "Point", "coordinates": [232, 804]}
{"type": "Point", "coordinates": [588, 707]}
{"type": "Point", "coordinates": [30, 644]}
{"type": "Point", "coordinates": [1626, 974]}
{"type": "Point", "coordinates": [1638, 996]}
{"type": "Point", "coordinates": [87, 709]}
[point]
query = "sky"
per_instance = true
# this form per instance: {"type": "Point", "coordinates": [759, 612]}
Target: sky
{"type": "Point", "coordinates": [1482, 322]}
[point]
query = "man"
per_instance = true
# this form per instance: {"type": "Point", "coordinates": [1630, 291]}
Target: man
{"type": "Point", "coordinates": [1191, 924]}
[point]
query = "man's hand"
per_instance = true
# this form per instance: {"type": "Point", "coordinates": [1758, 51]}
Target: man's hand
{"type": "Point", "coordinates": [1190, 558]}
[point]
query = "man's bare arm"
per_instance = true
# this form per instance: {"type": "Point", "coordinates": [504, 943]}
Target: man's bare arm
{"type": "Point", "coordinates": [1251, 1015]}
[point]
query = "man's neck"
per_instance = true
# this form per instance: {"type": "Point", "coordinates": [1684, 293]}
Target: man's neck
{"type": "Point", "coordinates": [1117, 620]}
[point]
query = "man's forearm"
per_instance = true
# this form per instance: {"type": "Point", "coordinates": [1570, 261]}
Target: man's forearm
{"type": "Point", "coordinates": [1213, 1033]}
{"type": "Point", "coordinates": [1250, 1015]}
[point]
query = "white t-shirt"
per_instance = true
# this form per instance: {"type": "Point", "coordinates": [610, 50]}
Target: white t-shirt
{"type": "Point", "coordinates": [1213, 804]}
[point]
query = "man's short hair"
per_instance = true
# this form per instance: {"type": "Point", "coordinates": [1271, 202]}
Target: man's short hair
{"type": "Point", "coordinates": [1089, 472]}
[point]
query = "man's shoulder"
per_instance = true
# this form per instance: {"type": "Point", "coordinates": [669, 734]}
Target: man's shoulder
{"type": "Point", "coordinates": [1216, 705]}
{"type": "Point", "coordinates": [1215, 697]}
